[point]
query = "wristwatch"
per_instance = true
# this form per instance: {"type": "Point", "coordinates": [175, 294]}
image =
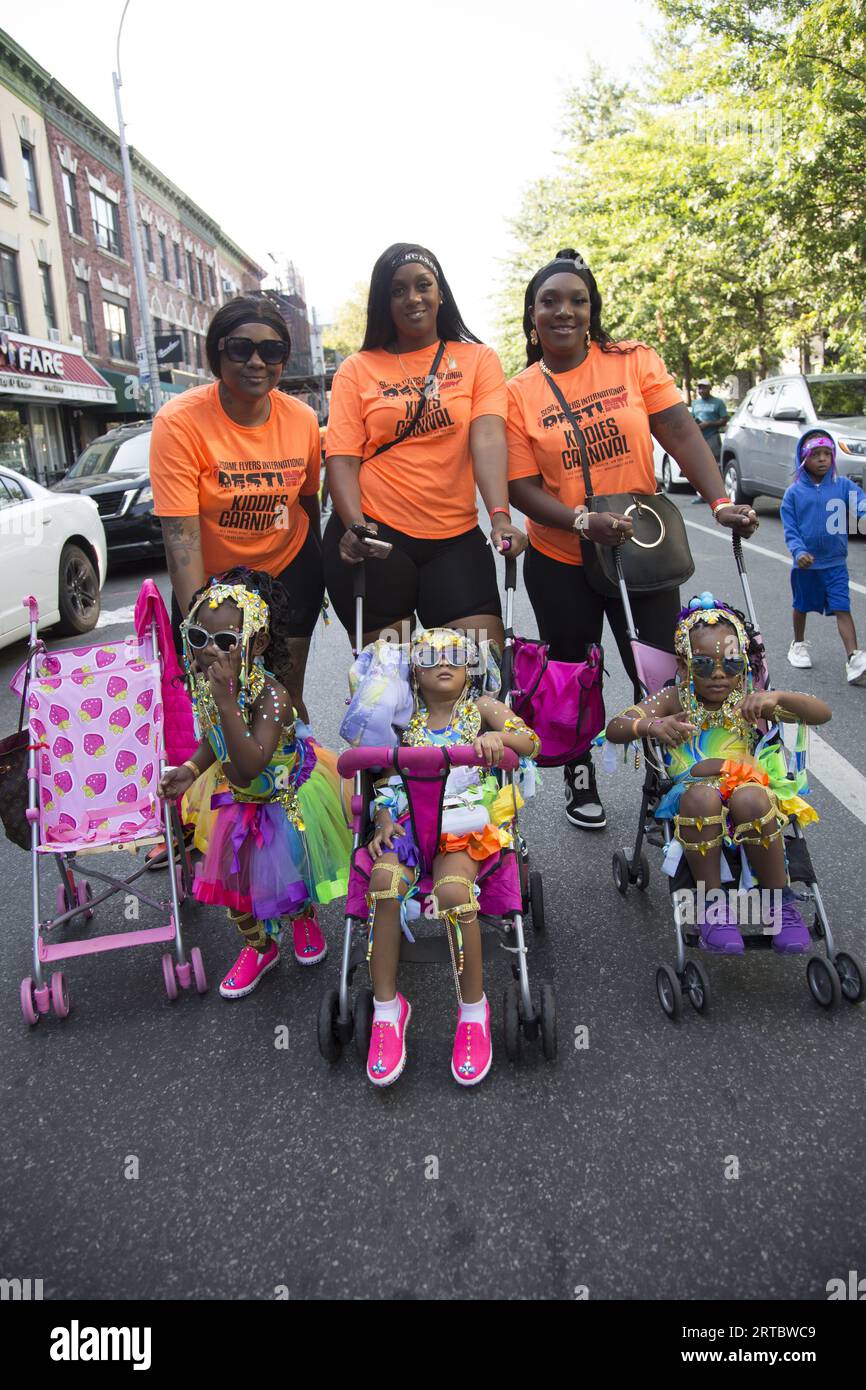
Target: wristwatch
{"type": "Point", "coordinates": [581, 520]}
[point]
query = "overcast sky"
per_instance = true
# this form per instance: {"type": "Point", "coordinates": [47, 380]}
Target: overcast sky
{"type": "Point", "coordinates": [323, 132]}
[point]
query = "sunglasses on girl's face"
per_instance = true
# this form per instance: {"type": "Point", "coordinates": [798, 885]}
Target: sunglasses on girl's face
{"type": "Point", "coordinates": [199, 637]}
{"type": "Point", "coordinates": [428, 657]}
{"type": "Point", "coordinates": [704, 666]}
{"type": "Point", "coordinates": [270, 351]}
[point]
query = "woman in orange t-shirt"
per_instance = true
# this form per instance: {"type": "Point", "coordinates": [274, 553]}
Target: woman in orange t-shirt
{"type": "Point", "coordinates": [406, 449]}
{"type": "Point", "coordinates": [235, 473]}
{"type": "Point", "coordinates": [621, 395]}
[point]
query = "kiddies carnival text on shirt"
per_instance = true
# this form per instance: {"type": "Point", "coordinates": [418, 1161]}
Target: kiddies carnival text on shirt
{"type": "Point", "coordinates": [434, 415]}
{"type": "Point", "coordinates": [603, 437]}
{"type": "Point", "coordinates": [255, 504]}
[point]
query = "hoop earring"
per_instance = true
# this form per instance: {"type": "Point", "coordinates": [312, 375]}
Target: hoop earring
{"type": "Point", "coordinates": [587, 340]}
{"type": "Point", "coordinates": [533, 338]}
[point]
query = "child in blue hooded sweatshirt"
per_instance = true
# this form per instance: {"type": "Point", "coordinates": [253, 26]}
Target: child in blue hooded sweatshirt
{"type": "Point", "coordinates": [816, 512]}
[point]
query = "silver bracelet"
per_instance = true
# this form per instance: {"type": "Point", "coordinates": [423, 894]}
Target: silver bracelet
{"type": "Point", "coordinates": [581, 520]}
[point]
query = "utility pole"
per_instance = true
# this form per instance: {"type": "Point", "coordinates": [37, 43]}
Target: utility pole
{"type": "Point", "coordinates": [151, 382]}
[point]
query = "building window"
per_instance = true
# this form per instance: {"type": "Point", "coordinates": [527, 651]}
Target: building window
{"type": "Point", "coordinates": [70, 196]}
{"type": "Point", "coordinates": [212, 279]}
{"type": "Point", "coordinates": [116, 314]}
{"type": "Point", "coordinates": [148, 244]}
{"type": "Point", "coordinates": [106, 227]}
{"type": "Point", "coordinates": [178, 268]}
{"type": "Point", "coordinates": [85, 313]}
{"type": "Point", "coordinates": [10, 288]}
{"type": "Point", "coordinates": [202, 286]}
{"type": "Point", "coordinates": [190, 272]}
{"type": "Point", "coordinates": [28, 157]}
{"type": "Point", "coordinates": [199, 360]}
{"type": "Point", "coordinates": [48, 295]}
{"type": "Point", "coordinates": [163, 255]}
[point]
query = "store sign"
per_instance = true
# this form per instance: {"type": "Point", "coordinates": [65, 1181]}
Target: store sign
{"type": "Point", "coordinates": [32, 368]}
{"type": "Point", "coordinates": [169, 348]}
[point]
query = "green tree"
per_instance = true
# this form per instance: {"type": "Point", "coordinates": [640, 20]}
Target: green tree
{"type": "Point", "coordinates": [346, 334]}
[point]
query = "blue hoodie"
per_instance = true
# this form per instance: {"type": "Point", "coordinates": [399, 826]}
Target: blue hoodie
{"type": "Point", "coordinates": [816, 515]}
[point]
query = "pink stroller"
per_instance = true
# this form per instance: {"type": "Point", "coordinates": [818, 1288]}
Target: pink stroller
{"type": "Point", "coordinates": [831, 977]}
{"type": "Point", "coordinates": [94, 763]}
{"type": "Point", "coordinates": [424, 772]}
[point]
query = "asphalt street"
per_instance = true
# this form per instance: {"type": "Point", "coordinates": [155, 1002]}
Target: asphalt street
{"type": "Point", "coordinates": [721, 1157]}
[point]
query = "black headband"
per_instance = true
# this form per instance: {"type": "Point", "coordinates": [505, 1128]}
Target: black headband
{"type": "Point", "coordinates": [411, 257]}
{"type": "Point", "coordinates": [567, 262]}
{"type": "Point", "coordinates": [249, 316]}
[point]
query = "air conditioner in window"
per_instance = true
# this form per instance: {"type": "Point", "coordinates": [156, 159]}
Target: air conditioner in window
{"type": "Point", "coordinates": [9, 322]}
{"type": "Point", "coordinates": [76, 341]}
{"type": "Point", "coordinates": [5, 187]}
{"type": "Point", "coordinates": [54, 335]}
{"type": "Point", "coordinates": [180, 284]}
{"type": "Point", "coordinates": [151, 266]}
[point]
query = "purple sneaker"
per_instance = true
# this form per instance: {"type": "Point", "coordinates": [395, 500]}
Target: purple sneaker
{"type": "Point", "coordinates": [792, 938]}
{"type": "Point", "coordinates": [722, 935]}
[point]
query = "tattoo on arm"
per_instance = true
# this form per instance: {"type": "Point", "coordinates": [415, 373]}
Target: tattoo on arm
{"type": "Point", "coordinates": [182, 540]}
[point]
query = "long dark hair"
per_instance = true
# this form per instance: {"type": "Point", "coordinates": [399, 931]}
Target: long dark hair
{"type": "Point", "coordinates": [274, 596]}
{"type": "Point", "coordinates": [243, 309]}
{"type": "Point", "coordinates": [380, 325]}
{"type": "Point", "coordinates": [596, 332]}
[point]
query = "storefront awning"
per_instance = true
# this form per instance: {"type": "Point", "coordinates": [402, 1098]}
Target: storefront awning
{"type": "Point", "coordinates": [33, 369]}
{"type": "Point", "coordinates": [128, 393]}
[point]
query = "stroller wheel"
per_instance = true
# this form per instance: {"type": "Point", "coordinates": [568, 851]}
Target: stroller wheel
{"type": "Point", "coordinates": [536, 901]}
{"type": "Point", "coordinates": [329, 1044]}
{"type": "Point", "coordinates": [363, 1022]}
{"type": "Point", "coordinates": [823, 981]}
{"type": "Point", "coordinates": [511, 1020]}
{"type": "Point", "coordinates": [619, 865]}
{"type": "Point", "coordinates": [697, 986]}
{"type": "Point", "coordinates": [28, 1002]}
{"type": "Point", "coordinates": [168, 975]}
{"type": "Point", "coordinates": [850, 977]}
{"type": "Point", "coordinates": [643, 873]}
{"type": "Point", "coordinates": [59, 994]}
{"type": "Point", "coordinates": [548, 1022]}
{"type": "Point", "coordinates": [669, 992]}
{"type": "Point", "coordinates": [198, 972]}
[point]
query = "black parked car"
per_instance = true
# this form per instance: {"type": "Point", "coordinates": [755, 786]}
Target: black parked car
{"type": "Point", "coordinates": [115, 471]}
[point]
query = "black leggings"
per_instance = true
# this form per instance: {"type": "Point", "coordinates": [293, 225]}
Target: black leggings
{"type": "Point", "coordinates": [570, 614]}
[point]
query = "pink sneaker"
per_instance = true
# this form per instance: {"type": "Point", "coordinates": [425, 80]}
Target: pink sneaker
{"type": "Point", "coordinates": [309, 944]}
{"type": "Point", "coordinates": [473, 1052]}
{"type": "Point", "coordinates": [387, 1056]}
{"type": "Point", "coordinates": [247, 970]}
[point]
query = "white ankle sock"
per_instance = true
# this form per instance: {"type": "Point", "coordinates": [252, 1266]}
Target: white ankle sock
{"type": "Point", "coordinates": [474, 1013]}
{"type": "Point", "coordinates": [387, 1012]}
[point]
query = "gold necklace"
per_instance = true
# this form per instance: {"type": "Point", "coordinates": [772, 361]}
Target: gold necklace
{"type": "Point", "coordinates": [465, 722]}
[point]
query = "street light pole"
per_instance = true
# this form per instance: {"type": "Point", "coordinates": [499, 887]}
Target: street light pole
{"type": "Point", "coordinates": [152, 385]}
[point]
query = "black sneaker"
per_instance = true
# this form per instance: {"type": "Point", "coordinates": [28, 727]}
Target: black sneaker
{"type": "Point", "coordinates": [582, 802]}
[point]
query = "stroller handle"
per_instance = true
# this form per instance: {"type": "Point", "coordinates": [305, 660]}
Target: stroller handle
{"type": "Point", "coordinates": [510, 564]}
{"type": "Point", "coordinates": [420, 761]}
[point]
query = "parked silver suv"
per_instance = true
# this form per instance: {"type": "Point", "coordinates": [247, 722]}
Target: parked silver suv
{"type": "Point", "coordinates": [758, 445]}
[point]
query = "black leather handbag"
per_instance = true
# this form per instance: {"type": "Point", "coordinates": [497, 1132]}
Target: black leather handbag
{"type": "Point", "coordinates": [656, 557]}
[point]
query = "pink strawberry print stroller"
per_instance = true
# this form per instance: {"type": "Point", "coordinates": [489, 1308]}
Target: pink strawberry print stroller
{"type": "Point", "coordinates": [96, 754]}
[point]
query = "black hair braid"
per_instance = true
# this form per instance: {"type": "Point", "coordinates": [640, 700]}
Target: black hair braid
{"type": "Point", "coordinates": [274, 595]}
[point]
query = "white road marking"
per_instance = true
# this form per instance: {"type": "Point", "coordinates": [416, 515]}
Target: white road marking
{"type": "Point", "coordinates": [725, 536]}
{"type": "Point", "coordinates": [109, 616]}
{"type": "Point", "coordinates": [835, 772]}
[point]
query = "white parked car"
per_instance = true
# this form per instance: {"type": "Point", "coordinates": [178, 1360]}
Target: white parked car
{"type": "Point", "coordinates": [667, 470]}
{"type": "Point", "coordinates": [52, 547]}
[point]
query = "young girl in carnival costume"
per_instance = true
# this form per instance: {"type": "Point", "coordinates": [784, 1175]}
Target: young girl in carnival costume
{"type": "Point", "coordinates": [731, 784]}
{"type": "Point", "coordinates": [473, 829]}
{"type": "Point", "coordinates": [268, 812]}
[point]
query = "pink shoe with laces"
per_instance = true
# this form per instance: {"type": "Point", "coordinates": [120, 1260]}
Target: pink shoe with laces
{"type": "Point", "coordinates": [473, 1051]}
{"type": "Point", "coordinates": [309, 945]}
{"type": "Point", "coordinates": [247, 970]}
{"type": "Point", "coordinates": [387, 1056]}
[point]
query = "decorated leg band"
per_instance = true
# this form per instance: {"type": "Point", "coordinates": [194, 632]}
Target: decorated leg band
{"type": "Point", "coordinates": [762, 836]}
{"type": "Point", "coordinates": [451, 915]}
{"type": "Point", "coordinates": [254, 933]}
{"type": "Point", "coordinates": [399, 880]}
{"type": "Point", "coordinates": [699, 822]}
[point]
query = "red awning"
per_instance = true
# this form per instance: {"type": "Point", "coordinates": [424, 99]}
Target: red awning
{"type": "Point", "coordinates": [36, 368]}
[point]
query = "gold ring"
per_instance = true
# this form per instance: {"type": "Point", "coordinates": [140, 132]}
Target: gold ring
{"type": "Point", "coordinates": [615, 523]}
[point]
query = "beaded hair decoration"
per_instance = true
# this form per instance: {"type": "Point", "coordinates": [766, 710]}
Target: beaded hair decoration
{"type": "Point", "coordinates": [465, 720]}
{"type": "Point", "coordinates": [705, 611]}
{"type": "Point", "coordinates": [255, 616]}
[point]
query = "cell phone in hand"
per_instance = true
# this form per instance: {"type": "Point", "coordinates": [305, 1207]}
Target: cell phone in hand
{"type": "Point", "coordinates": [381, 548]}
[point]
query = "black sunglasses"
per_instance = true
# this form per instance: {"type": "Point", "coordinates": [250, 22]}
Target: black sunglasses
{"type": "Point", "coordinates": [270, 351]}
{"type": "Point", "coordinates": [198, 638]}
{"type": "Point", "coordinates": [703, 666]}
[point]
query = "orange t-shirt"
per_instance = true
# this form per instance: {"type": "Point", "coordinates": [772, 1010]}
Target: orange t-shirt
{"type": "Point", "coordinates": [612, 395]}
{"type": "Point", "coordinates": [243, 484]}
{"type": "Point", "coordinates": [424, 486]}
